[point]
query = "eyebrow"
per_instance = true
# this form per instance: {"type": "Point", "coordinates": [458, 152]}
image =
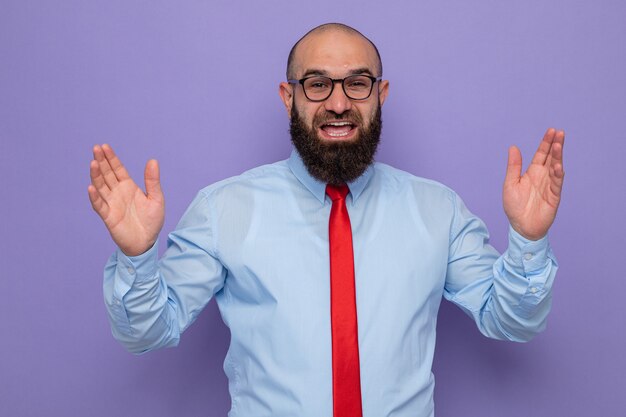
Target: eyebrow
{"type": "Point", "coordinates": [357, 71]}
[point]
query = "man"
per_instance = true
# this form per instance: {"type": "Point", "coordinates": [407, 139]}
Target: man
{"type": "Point", "coordinates": [328, 268]}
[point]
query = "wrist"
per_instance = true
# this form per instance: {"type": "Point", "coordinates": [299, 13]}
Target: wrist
{"type": "Point", "coordinates": [529, 235]}
{"type": "Point", "coordinates": [136, 250]}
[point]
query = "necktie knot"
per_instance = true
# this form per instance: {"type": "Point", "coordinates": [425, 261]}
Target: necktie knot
{"type": "Point", "coordinates": [337, 192]}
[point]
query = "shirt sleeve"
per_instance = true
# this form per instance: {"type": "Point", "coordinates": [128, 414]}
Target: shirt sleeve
{"type": "Point", "coordinates": [508, 295]}
{"type": "Point", "coordinates": [151, 302]}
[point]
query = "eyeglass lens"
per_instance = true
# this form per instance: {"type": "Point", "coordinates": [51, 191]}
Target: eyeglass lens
{"type": "Point", "coordinates": [356, 87]}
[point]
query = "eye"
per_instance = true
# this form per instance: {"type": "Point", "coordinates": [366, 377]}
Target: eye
{"type": "Point", "coordinates": [358, 83]}
{"type": "Point", "coordinates": [317, 83]}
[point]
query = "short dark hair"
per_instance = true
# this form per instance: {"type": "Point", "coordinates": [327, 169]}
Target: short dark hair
{"type": "Point", "coordinates": [323, 28]}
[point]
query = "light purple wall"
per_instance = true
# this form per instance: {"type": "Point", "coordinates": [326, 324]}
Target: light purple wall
{"type": "Point", "coordinates": [194, 84]}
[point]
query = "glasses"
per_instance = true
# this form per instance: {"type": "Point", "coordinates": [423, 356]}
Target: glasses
{"type": "Point", "coordinates": [318, 88]}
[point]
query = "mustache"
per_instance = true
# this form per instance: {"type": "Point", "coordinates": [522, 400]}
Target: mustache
{"type": "Point", "coordinates": [331, 116]}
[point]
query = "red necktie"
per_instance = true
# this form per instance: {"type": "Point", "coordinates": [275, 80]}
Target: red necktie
{"type": "Point", "coordinates": [346, 371]}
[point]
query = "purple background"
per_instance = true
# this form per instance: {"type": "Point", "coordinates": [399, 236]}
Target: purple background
{"type": "Point", "coordinates": [194, 84]}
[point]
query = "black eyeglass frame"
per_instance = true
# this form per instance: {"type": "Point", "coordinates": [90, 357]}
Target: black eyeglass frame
{"type": "Point", "coordinates": [333, 82]}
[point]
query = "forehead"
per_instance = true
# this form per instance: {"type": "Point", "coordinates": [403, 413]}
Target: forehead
{"type": "Point", "coordinates": [334, 52]}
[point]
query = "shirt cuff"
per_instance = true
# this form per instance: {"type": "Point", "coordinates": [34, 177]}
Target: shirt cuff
{"type": "Point", "coordinates": [120, 274]}
{"type": "Point", "coordinates": [132, 269]}
{"type": "Point", "coordinates": [526, 256]}
{"type": "Point", "coordinates": [141, 266]}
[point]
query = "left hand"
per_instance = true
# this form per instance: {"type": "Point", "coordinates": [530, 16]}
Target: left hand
{"type": "Point", "coordinates": [531, 200]}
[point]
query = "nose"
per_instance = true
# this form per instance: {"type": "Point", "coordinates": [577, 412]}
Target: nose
{"type": "Point", "coordinates": [338, 102]}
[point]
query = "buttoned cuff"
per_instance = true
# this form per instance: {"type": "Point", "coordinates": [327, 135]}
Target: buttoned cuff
{"type": "Point", "coordinates": [121, 273]}
{"type": "Point", "coordinates": [138, 268]}
{"type": "Point", "coordinates": [141, 267]}
{"type": "Point", "coordinates": [532, 266]}
{"type": "Point", "coordinates": [525, 256]}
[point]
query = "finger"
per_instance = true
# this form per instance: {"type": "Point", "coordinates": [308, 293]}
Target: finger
{"type": "Point", "coordinates": [152, 179]}
{"type": "Point", "coordinates": [116, 165]}
{"type": "Point", "coordinates": [97, 180]}
{"type": "Point", "coordinates": [557, 174]}
{"type": "Point", "coordinates": [105, 168]}
{"type": "Point", "coordinates": [97, 202]}
{"type": "Point", "coordinates": [548, 162]}
{"type": "Point", "coordinates": [556, 150]}
{"type": "Point", "coordinates": [556, 165]}
{"type": "Point", "coordinates": [557, 147]}
{"type": "Point", "coordinates": [560, 137]}
{"type": "Point", "coordinates": [514, 165]}
{"type": "Point", "coordinates": [544, 147]}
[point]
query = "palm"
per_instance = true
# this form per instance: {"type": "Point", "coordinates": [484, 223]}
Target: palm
{"type": "Point", "coordinates": [133, 218]}
{"type": "Point", "coordinates": [531, 200]}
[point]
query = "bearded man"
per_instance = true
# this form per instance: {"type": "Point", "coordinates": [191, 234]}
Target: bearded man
{"type": "Point", "coordinates": [328, 268]}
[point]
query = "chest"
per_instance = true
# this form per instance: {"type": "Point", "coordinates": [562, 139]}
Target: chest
{"type": "Point", "coordinates": [280, 255]}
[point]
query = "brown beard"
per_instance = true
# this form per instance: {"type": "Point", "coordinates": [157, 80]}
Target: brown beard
{"type": "Point", "coordinates": [336, 162]}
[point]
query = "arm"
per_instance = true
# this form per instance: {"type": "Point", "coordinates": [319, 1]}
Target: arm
{"type": "Point", "coordinates": [509, 296]}
{"type": "Point", "coordinates": [149, 302]}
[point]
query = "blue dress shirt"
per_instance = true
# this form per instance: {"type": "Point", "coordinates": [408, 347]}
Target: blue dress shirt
{"type": "Point", "coordinates": [258, 243]}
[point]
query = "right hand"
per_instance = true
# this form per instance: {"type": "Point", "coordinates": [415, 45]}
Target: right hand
{"type": "Point", "coordinates": [134, 219]}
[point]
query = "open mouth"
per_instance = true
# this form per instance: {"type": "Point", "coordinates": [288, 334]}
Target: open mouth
{"type": "Point", "coordinates": [338, 129]}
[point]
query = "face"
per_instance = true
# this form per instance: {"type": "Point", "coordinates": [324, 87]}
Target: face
{"type": "Point", "coordinates": [336, 138]}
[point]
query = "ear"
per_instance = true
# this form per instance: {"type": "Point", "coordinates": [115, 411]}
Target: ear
{"type": "Point", "coordinates": [286, 95]}
{"type": "Point", "coordinates": [383, 90]}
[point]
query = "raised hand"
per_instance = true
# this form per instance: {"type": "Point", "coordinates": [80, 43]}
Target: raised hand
{"type": "Point", "coordinates": [133, 218]}
{"type": "Point", "coordinates": [531, 200]}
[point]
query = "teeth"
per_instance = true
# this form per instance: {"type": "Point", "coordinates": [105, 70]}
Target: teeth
{"type": "Point", "coordinates": [338, 124]}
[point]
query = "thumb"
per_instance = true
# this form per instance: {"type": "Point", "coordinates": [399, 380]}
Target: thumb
{"type": "Point", "coordinates": [514, 166]}
{"type": "Point", "coordinates": [151, 178]}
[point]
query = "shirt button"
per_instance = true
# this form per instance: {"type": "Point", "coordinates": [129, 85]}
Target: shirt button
{"type": "Point", "coordinates": [528, 256]}
{"type": "Point", "coordinates": [130, 270]}
{"type": "Point", "coordinates": [533, 290]}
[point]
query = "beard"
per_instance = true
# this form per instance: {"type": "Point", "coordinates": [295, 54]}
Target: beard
{"type": "Point", "coordinates": [338, 162]}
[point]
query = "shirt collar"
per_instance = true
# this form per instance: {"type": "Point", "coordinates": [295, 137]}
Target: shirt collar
{"type": "Point", "coordinates": [317, 187]}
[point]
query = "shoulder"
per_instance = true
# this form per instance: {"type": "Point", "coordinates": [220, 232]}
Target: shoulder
{"type": "Point", "coordinates": [253, 179]}
{"type": "Point", "coordinates": [403, 183]}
